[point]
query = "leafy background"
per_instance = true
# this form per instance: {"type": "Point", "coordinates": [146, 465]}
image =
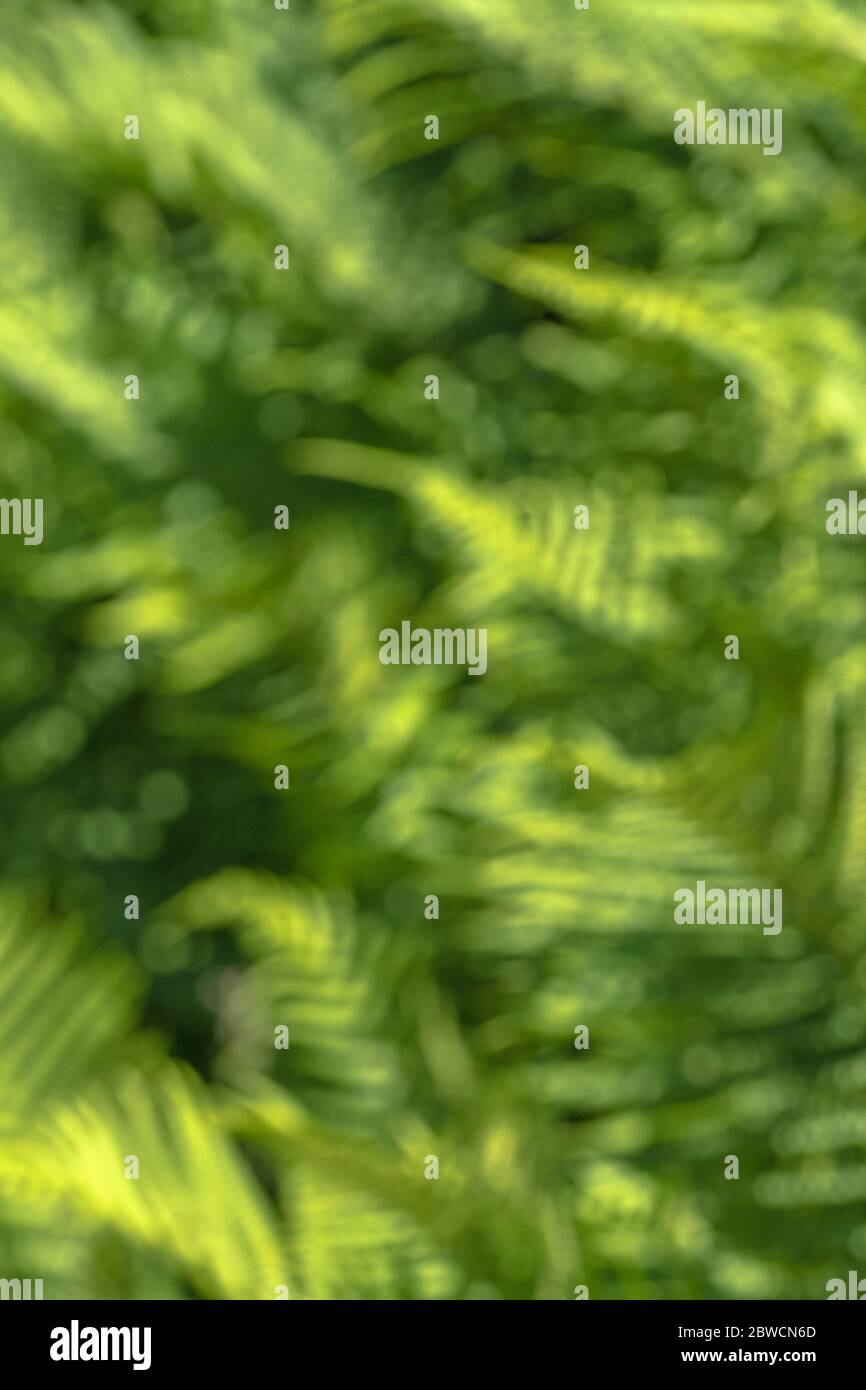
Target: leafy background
{"type": "Point", "coordinates": [411, 1037]}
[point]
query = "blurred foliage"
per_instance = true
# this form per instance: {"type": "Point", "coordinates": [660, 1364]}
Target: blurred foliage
{"type": "Point", "coordinates": [259, 647]}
